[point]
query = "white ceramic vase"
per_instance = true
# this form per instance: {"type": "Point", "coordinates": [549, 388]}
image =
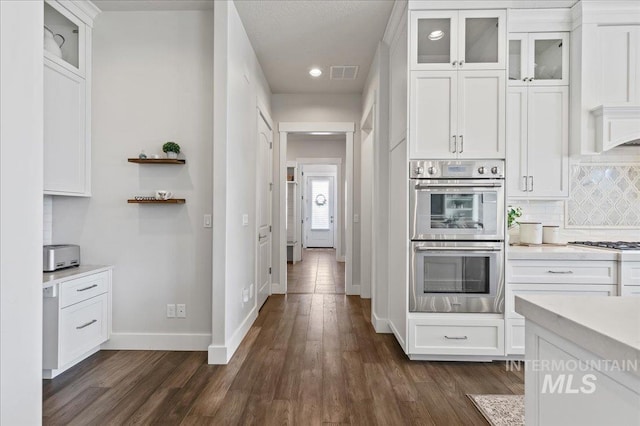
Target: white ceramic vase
{"type": "Point", "coordinates": [172, 155]}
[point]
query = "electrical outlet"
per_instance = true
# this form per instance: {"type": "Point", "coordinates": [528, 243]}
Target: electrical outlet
{"type": "Point", "coordinates": [181, 311]}
{"type": "Point", "coordinates": [207, 221]}
{"type": "Point", "coordinates": [245, 295]}
{"type": "Point", "coordinates": [171, 310]}
{"type": "Point", "coordinates": [245, 220]}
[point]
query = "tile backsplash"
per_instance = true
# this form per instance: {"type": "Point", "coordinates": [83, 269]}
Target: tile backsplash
{"type": "Point", "coordinates": [603, 204]}
{"type": "Point", "coordinates": [47, 221]}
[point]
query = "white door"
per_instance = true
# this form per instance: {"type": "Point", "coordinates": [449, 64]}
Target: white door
{"type": "Point", "coordinates": [263, 214]}
{"type": "Point", "coordinates": [481, 111]}
{"type": "Point", "coordinates": [319, 219]}
{"type": "Point", "coordinates": [433, 111]}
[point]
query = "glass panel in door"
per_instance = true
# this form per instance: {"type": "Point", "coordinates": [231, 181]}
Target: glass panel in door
{"type": "Point", "coordinates": [61, 36]}
{"type": "Point", "coordinates": [481, 40]}
{"type": "Point", "coordinates": [457, 274]}
{"type": "Point", "coordinates": [457, 211]}
{"type": "Point", "coordinates": [320, 214]}
{"type": "Point", "coordinates": [548, 59]}
{"type": "Point", "coordinates": [515, 60]}
{"type": "Point", "coordinates": [434, 41]}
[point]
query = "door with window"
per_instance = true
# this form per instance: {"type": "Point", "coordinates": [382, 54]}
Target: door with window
{"type": "Point", "coordinates": [319, 212]}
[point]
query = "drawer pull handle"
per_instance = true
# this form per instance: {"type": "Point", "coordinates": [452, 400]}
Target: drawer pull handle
{"type": "Point", "coordinates": [456, 337]}
{"type": "Point", "coordinates": [80, 327]}
{"type": "Point", "coordinates": [560, 272]}
{"type": "Point", "coordinates": [87, 288]}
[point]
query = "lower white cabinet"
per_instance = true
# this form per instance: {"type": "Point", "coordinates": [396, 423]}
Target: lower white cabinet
{"type": "Point", "coordinates": [556, 277]}
{"type": "Point", "coordinates": [76, 321]}
{"type": "Point", "coordinates": [456, 334]}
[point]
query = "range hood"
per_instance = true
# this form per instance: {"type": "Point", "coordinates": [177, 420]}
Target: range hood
{"type": "Point", "coordinates": [616, 126]}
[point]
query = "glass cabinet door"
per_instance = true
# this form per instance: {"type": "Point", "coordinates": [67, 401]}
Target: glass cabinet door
{"type": "Point", "coordinates": [434, 40]}
{"type": "Point", "coordinates": [482, 39]}
{"type": "Point", "coordinates": [549, 59]}
{"type": "Point", "coordinates": [63, 38]}
{"type": "Point", "coordinates": [518, 60]}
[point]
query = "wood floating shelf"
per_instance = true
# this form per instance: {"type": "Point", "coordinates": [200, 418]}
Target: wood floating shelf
{"type": "Point", "coordinates": [171, 201]}
{"type": "Point", "coordinates": [156, 160]}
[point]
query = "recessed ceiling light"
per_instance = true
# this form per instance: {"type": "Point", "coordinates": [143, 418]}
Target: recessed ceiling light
{"type": "Point", "coordinates": [435, 35]}
{"type": "Point", "coordinates": [315, 72]}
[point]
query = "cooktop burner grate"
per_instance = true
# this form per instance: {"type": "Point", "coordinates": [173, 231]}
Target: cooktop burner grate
{"type": "Point", "coordinates": [617, 245]}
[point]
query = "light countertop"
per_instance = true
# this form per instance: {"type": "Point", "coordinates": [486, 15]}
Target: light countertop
{"type": "Point", "coordinates": [553, 252]}
{"type": "Point", "coordinates": [605, 326]}
{"type": "Point", "coordinates": [51, 278]}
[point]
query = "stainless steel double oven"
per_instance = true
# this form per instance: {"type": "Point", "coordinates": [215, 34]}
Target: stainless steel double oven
{"type": "Point", "coordinates": [457, 236]}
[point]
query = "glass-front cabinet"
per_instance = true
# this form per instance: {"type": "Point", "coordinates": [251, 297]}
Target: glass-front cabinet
{"type": "Point", "coordinates": [539, 59]}
{"type": "Point", "coordinates": [453, 40]}
{"type": "Point", "coordinates": [64, 38]}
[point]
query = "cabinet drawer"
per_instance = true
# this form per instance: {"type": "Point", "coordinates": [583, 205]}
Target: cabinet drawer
{"type": "Point", "coordinates": [84, 288]}
{"type": "Point", "coordinates": [83, 326]}
{"type": "Point", "coordinates": [457, 337]}
{"type": "Point", "coordinates": [514, 290]}
{"type": "Point", "coordinates": [554, 271]}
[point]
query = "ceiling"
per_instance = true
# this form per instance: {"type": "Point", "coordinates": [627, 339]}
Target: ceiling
{"type": "Point", "coordinates": [290, 37]}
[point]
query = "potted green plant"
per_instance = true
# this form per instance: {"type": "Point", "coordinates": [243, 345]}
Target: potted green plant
{"type": "Point", "coordinates": [172, 149]}
{"type": "Point", "coordinates": [513, 213]}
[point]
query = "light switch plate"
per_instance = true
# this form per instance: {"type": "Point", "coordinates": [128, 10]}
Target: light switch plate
{"type": "Point", "coordinates": [171, 310]}
{"type": "Point", "coordinates": [245, 220]}
{"type": "Point", "coordinates": [356, 218]}
{"type": "Point", "coordinates": [207, 221]}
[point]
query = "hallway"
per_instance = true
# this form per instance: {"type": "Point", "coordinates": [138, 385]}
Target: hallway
{"type": "Point", "coordinates": [319, 272]}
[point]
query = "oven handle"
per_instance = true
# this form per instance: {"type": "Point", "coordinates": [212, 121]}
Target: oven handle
{"type": "Point", "coordinates": [475, 249]}
{"type": "Point", "coordinates": [458, 185]}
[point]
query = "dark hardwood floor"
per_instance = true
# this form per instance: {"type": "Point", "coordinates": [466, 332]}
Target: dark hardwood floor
{"type": "Point", "coordinates": [318, 272]}
{"type": "Point", "coordinates": [309, 359]}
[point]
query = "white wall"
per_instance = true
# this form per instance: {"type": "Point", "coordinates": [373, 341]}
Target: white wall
{"type": "Point", "coordinates": [21, 212]}
{"type": "Point", "coordinates": [152, 82]}
{"type": "Point", "coordinates": [240, 88]}
{"type": "Point", "coordinates": [307, 146]}
{"type": "Point", "coordinates": [318, 108]}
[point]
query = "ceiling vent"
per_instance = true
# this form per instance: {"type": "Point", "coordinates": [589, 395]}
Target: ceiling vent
{"type": "Point", "coordinates": [344, 72]}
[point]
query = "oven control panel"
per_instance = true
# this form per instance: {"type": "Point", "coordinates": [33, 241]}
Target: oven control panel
{"type": "Point", "coordinates": [463, 169]}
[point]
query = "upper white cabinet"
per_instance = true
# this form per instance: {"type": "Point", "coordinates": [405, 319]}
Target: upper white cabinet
{"type": "Point", "coordinates": [67, 97]}
{"type": "Point", "coordinates": [457, 114]}
{"type": "Point", "coordinates": [538, 59]}
{"type": "Point", "coordinates": [450, 40]}
{"type": "Point", "coordinates": [538, 135]}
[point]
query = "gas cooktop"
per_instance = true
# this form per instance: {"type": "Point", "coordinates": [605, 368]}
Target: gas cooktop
{"type": "Point", "coordinates": [615, 245]}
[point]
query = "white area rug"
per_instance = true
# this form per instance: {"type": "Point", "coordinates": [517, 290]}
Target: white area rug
{"type": "Point", "coordinates": [500, 410]}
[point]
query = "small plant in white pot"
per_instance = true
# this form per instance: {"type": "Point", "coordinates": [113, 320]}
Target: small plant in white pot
{"type": "Point", "coordinates": [513, 213]}
{"type": "Point", "coordinates": [172, 149]}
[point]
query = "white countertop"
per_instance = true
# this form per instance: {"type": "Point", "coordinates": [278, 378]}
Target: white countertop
{"type": "Point", "coordinates": [605, 326]}
{"type": "Point", "coordinates": [51, 278]}
{"type": "Point", "coordinates": [569, 252]}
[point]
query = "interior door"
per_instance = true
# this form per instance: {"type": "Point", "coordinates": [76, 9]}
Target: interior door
{"type": "Point", "coordinates": [263, 215]}
{"type": "Point", "coordinates": [319, 219]}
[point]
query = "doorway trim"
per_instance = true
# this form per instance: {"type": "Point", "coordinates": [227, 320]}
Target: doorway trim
{"type": "Point", "coordinates": [348, 128]}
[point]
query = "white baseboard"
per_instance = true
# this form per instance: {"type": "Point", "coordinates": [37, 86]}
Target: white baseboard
{"type": "Point", "coordinates": [356, 290]}
{"type": "Point", "coordinates": [401, 341]}
{"type": "Point", "coordinates": [380, 325]}
{"type": "Point", "coordinates": [276, 288]}
{"type": "Point", "coordinates": [221, 354]}
{"type": "Point", "coordinates": [158, 342]}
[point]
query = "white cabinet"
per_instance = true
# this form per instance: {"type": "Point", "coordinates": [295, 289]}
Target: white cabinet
{"type": "Point", "coordinates": [455, 335]}
{"type": "Point", "coordinates": [557, 277]}
{"type": "Point", "coordinates": [76, 320]}
{"type": "Point", "coordinates": [67, 99]}
{"type": "Point", "coordinates": [538, 135]}
{"type": "Point", "coordinates": [538, 59]}
{"type": "Point", "coordinates": [449, 40]}
{"type": "Point", "coordinates": [457, 114]}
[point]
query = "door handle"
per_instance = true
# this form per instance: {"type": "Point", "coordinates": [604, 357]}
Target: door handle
{"type": "Point", "coordinates": [456, 337]}
{"type": "Point", "coordinates": [530, 183]}
{"type": "Point", "coordinates": [524, 184]}
{"type": "Point", "coordinates": [472, 249]}
{"type": "Point", "coordinates": [80, 327]}
{"type": "Point", "coordinates": [331, 219]}
{"type": "Point", "coordinates": [458, 185]}
{"type": "Point", "coordinates": [461, 145]}
{"type": "Point", "coordinates": [455, 144]}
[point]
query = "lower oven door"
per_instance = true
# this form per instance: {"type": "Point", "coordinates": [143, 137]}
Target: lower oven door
{"type": "Point", "coordinates": [457, 277]}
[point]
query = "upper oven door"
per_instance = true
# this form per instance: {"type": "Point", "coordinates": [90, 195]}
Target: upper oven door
{"type": "Point", "coordinates": [470, 209]}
